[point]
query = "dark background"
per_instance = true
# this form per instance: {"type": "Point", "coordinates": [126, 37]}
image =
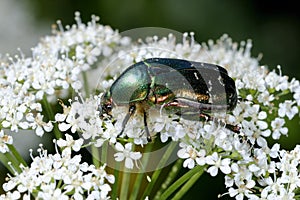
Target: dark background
{"type": "Point", "coordinates": [273, 26]}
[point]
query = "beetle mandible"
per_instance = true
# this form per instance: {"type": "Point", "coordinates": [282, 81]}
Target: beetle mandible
{"type": "Point", "coordinates": [189, 89]}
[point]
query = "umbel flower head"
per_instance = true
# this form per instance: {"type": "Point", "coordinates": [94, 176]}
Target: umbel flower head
{"type": "Point", "coordinates": [87, 59]}
{"type": "Point", "coordinates": [48, 172]}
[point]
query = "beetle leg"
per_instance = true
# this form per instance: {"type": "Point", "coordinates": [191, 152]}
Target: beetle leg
{"type": "Point", "coordinates": [146, 127]}
{"type": "Point", "coordinates": [131, 111]}
{"type": "Point", "coordinates": [181, 102]}
{"type": "Point", "coordinates": [184, 103]}
{"type": "Point", "coordinates": [201, 106]}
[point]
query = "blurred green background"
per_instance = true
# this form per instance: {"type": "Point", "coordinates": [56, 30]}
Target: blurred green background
{"type": "Point", "coordinates": [273, 26]}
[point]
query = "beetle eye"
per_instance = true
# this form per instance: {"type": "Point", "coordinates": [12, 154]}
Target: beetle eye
{"type": "Point", "coordinates": [107, 108]}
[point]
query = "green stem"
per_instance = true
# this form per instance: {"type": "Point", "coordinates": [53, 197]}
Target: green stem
{"type": "Point", "coordinates": [125, 182]}
{"type": "Point", "coordinates": [181, 181]}
{"type": "Point", "coordinates": [104, 152]}
{"type": "Point", "coordinates": [125, 185]}
{"type": "Point", "coordinates": [188, 185]}
{"type": "Point", "coordinates": [85, 84]}
{"type": "Point", "coordinates": [115, 187]}
{"type": "Point", "coordinates": [157, 172]}
{"type": "Point", "coordinates": [4, 160]}
{"type": "Point", "coordinates": [138, 180]}
{"type": "Point", "coordinates": [50, 115]}
{"type": "Point", "coordinates": [17, 155]}
{"type": "Point", "coordinates": [170, 177]}
{"type": "Point", "coordinates": [297, 193]}
{"type": "Point", "coordinates": [14, 162]}
{"type": "Point", "coordinates": [95, 156]}
{"type": "Point", "coordinates": [59, 184]}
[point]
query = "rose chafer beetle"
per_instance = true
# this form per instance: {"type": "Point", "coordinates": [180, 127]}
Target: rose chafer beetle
{"type": "Point", "coordinates": [189, 89]}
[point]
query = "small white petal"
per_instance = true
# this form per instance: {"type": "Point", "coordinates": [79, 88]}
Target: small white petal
{"type": "Point", "coordinates": [119, 147]}
{"type": "Point", "coordinates": [211, 160]}
{"type": "Point", "coordinates": [213, 170]}
{"type": "Point", "coordinates": [60, 117]}
{"type": "Point", "coordinates": [135, 155]}
{"type": "Point", "coordinates": [119, 156]}
{"type": "Point", "coordinates": [186, 163]}
{"type": "Point", "coordinates": [77, 145]}
{"type": "Point", "coordinates": [148, 179]}
{"type": "Point", "coordinates": [64, 126]}
{"type": "Point", "coordinates": [164, 137]}
{"type": "Point", "coordinates": [182, 153]}
{"type": "Point", "coordinates": [191, 163]}
{"type": "Point", "coordinates": [105, 187]}
{"type": "Point", "coordinates": [24, 125]}
{"type": "Point", "coordinates": [5, 124]}
{"type": "Point", "coordinates": [48, 127]}
{"type": "Point", "coordinates": [225, 169]}
{"type": "Point", "coordinates": [128, 163]}
{"type": "Point", "coordinates": [254, 168]}
{"type": "Point", "coordinates": [110, 178]}
{"type": "Point", "coordinates": [262, 125]}
{"type": "Point", "coordinates": [200, 161]}
{"type": "Point", "coordinates": [61, 143]}
{"type": "Point", "coordinates": [9, 185]}
{"type": "Point", "coordinates": [284, 130]}
{"type": "Point", "coordinates": [250, 184]}
{"type": "Point", "coordinates": [232, 192]}
{"type": "Point", "coordinates": [262, 142]}
{"type": "Point", "coordinates": [128, 146]}
{"type": "Point", "coordinates": [39, 131]}
{"type": "Point", "coordinates": [262, 115]}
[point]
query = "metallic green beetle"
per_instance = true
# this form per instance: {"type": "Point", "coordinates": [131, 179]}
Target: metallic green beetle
{"type": "Point", "coordinates": [189, 89]}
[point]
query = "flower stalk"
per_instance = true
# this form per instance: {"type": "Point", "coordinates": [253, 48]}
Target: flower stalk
{"type": "Point", "coordinates": [177, 184]}
{"type": "Point", "coordinates": [96, 156]}
{"type": "Point", "coordinates": [115, 187]}
{"type": "Point", "coordinates": [171, 176]}
{"type": "Point", "coordinates": [5, 161]}
{"type": "Point", "coordinates": [156, 173]}
{"type": "Point", "coordinates": [125, 185]}
{"type": "Point", "coordinates": [185, 188]}
{"type": "Point", "coordinates": [138, 179]}
{"type": "Point", "coordinates": [17, 155]}
{"type": "Point", "coordinates": [50, 115]}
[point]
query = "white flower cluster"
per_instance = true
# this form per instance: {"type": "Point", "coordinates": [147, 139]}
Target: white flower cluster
{"type": "Point", "coordinates": [59, 176]}
{"type": "Point", "coordinates": [55, 66]}
{"type": "Point", "coordinates": [252, 168]}
{"type": "Point", "coordinates": [84, 119]}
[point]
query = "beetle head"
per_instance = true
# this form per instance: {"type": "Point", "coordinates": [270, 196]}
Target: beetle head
{"type": "Point", "coordinates": [106, 104]}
